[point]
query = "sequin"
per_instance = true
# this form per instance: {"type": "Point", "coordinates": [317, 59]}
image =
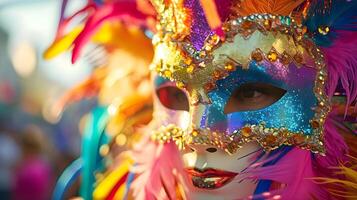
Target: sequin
{"type": "Point", "coordinates": [257, 56]}
{"type": "Point", "coordinates": [272, 56]}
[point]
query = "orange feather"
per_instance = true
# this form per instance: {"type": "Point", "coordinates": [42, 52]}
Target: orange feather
{"type": "Point", "coordinates": [276, 7]}
{"type": "Point", "coordinates": [212, 16]}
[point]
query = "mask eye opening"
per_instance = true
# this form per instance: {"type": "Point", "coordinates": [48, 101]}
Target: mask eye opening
{"type": "Point", "coordinates": [173, 98]}
{"type": "Point", "coordinates": [253, 96]}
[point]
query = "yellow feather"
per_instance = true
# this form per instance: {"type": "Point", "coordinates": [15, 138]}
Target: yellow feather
{"type": "Point", "coordinates": [349, 185]}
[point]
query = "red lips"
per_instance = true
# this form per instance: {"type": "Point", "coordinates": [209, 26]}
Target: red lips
{"type": "Point", "coordinates": [210, 178]}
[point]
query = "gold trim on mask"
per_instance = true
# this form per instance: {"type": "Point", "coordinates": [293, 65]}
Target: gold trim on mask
{"type": "Point", "coordinates": [268, 138]}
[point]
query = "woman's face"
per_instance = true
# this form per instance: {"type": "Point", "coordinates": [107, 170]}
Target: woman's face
{"type": "Point", "coordinates": [275, 95]}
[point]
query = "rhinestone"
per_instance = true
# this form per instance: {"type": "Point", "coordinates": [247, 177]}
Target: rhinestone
{"type": "Point", "coordinates": [167, 74]}
{"type": "Point", "coordinates": [191, 50]}
{"type": "Point", "coordinates": [188, 61]}
{"type": "Point", "coordinates": [282, 19]}
{"type": "Point", "coordinates": [202, 54]}
{"type": "Point", "coordinates": [214, 39]}
{"type": "Point", "coordinates": [202, 64]}
{"type": "Point", "coordinates": [217, 74]}
{"type": "Point", "coordinates": [190, 69]}
{"type": "Point", "coordinates": [195, 98]}
{"type": "Point", "coordinates": [247, 25]}
{"type": "Point", "coordinates": [298, 139]}
{"type": "Point", "coordinates": [230, 67]}
{"type": "Point", "coordinates": [257, 56]}
{"type": "Point", "coordinates": [285, 59]}
{"type": "Point", "coordinates": [246, 131]}
{"type": "Point", "coordinates": [298, 58]}
{"type": "Point", "coordinates": [315, 124]}
{"type": "Point", "coordinates": [324, 30]}
{"type": "Point", "coordinates": [209, 86]}
{"type": "Point", "coordinates": [272, 56]}
{"type": "Point", "coordinates": [180, 84]}
{"type": "Point", "coordinates": [267, 24]}
{"type": "Point", "coordinates": [270, 139]}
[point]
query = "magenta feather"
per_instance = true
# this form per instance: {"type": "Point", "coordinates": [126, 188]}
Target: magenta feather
{"type": "Point", "coordinates": [298, 168]}
{"type": "Point", "coordinates": [295, 171]}
{"type": "Point", "coordinates": [159, 170]}
{"type": "Point", "coordinates": [64, 22]}
{"type": "Point", "coordinates": [342, 64]}
{"type": "Point", "coordinates": [336, 149]}
{"type": "Point", "coordinates": [118, 11]}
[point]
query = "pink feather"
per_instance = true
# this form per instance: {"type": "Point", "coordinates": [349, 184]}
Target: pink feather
{"type": "Point", "coordinates": [64, 22]}
{"type": "Point", "coordinates": [159, 170]}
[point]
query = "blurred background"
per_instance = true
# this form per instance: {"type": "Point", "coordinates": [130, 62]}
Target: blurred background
{"type": "Point", "coordinates": [36, 142]}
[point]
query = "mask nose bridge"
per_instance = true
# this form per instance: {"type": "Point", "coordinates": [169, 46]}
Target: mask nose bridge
{"type": "Point", "coordinates": [199, 116]}
{"type": "Point", "coordinates": [205, 116]}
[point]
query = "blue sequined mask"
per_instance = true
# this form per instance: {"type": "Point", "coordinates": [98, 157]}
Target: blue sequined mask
{"type": "Point", "coordinates": [292, 111]}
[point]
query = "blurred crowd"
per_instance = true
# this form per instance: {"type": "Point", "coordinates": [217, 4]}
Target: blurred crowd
{"type": "Point", "coordinates": [36, 143]}
{"type": "Point", "coordinates": [28, 165]}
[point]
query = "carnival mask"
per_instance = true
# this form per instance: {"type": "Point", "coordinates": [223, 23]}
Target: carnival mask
{"type": "Point", "coordinates": [268, 90]}
{"type": "Point", "coordinates": [258, 86]}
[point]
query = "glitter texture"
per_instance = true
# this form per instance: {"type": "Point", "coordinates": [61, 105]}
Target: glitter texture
{"type": "Point", "coordinates": [199, 27]}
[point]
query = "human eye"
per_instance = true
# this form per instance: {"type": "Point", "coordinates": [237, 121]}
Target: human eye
{"type": "Point", "coordinates": [253, 96]}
